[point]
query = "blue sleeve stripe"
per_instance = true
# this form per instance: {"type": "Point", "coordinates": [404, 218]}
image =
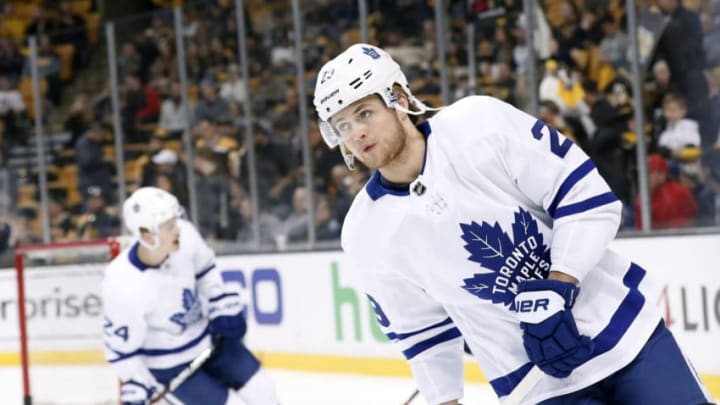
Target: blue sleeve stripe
{"type": "Point", "coordinates": [626, 313]}
{"type": "Point", "coordinates": [428, 343]}
{"type": "Point", "coordinates": [504, 385]}
{"type": "Point", "coordinates": [401, 336]}
{"type": "Point", "coordinates": [120, 355]}
{"type": "Point", "coordinates": [220, 297]}
{"type": "Point", "coordinates": [586, 205]}
{"type": "Point", "coordinates": [204, 272]}
{"type": "Point", "coordinates": [578, 174]}
{"type": "Point", "coordinates": [162, 352]}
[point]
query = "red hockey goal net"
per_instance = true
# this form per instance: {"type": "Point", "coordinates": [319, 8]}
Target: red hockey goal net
{"type": "Point", "coordinates": [58, 330]}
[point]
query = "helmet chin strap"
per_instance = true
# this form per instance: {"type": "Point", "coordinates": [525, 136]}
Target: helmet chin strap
{"type": "Point", "coordinates": [154, 245]}
{"type": "Point", "coordinates": [422, 108]}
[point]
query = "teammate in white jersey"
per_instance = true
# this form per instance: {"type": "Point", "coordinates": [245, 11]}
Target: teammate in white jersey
{"type": "Point", "coordinates": [483, 223]}
{"type": "Point", "coordinates": [165, 302]}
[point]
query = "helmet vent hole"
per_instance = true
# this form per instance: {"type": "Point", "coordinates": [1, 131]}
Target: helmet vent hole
{"type": "Point", "coordinates": [340, 101]}
{"type": "Point", "coordinates": [350, 61]}
{"type": "Point", "coordinates": [367, 74]}
{"type": "Point", "coordinates": [356, 83]}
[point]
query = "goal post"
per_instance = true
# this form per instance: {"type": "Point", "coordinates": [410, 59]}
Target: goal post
{"type": "Point", "coordinates": [75, 258]}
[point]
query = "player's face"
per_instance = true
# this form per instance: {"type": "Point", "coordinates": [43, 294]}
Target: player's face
{"type": "Point", "coordinates": [169, 236]}
{"type": "Point", "coordinates": [371, 131]}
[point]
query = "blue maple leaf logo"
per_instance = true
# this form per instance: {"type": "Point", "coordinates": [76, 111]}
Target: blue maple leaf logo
{"type": "Point", "coordinates": [191, 305]}
{"type": "Point", "coordinates": [509, 260]}
{"type": "Point", "coordinates": [371, 52]}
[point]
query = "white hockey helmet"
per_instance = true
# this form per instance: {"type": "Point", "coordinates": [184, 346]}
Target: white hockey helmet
{"type": "Point", "coordinates": [148, 208]}
{"type": "Point", "coordinates": [359, 71]}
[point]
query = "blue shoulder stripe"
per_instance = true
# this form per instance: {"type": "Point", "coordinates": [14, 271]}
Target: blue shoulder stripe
{"type": "Point", "coordinates": [401, 336]}
{"type": "Point", "coordinates": [428, 343]}
{"type": "Point", "coordinates": [585, 205]}
{"type": "Point", "coordinates": [204, 272]}
{"type": "Point", "coordinates": [578, 174]}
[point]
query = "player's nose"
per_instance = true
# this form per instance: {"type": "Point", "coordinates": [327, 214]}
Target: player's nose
{"type": "Point", "coordinates": [359, 132]}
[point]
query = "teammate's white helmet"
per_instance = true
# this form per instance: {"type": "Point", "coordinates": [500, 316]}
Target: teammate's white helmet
{"type": "Point", "coordinates": [359, 71]}
{"type": "Point", "coordinates": [148, 208]}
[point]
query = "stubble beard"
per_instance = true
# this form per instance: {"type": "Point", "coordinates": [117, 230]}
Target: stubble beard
{"type": "Point", "coordinates": [390, 147]}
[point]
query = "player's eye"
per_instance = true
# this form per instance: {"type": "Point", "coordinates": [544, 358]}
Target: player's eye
{"type": "Point", "coordinates": [343, 127]}
{"type": "Point", "coordinates": [365, 114]}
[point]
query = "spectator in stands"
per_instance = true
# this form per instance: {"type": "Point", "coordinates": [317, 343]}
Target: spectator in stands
{"type": "Point", "coordinates": [549, 112]}
{"type": "Point", "coordinates": [80, 117]}
{"type": "Point", "coordinates": [98, 221]}
{"type": "Point", "coordinates": [711, 39]}
{"type": "Point", "coordinates": [173, 117]}
{"type": "Point", "coordinates": [327, 226]}
{"type": "Point", "coordinates": [12, 109]}
{"type": "Point", "coordinates": [129, 61]}
{"type": "Point", "coordinates": [233, 89]}
{"type": "Point", "coordinates": [142, 106]}
{"type": "Point", "coordinates": [70, 28]}
{"type": "Point", "coordinates": [672, 205]}
{"type": "Point", "coordinates": [39, 24]}
{"type": "Point", "coordinates": [295, 225]}
{"type": "Point", "coordinates": [614, 44]}
{"type": "Point", "coordinates": [11, 60]}
{"type": "Point", "coordinates": [165, 163]}
{"type": "Point", "coordinates": [211, 186]}
{"type": "Point", "coordinates": [711, 180]}
{"type": "Point", "coordinates": [93, 168]}
{"type": "Point", "coordinates": [609, 148]}
{"type": "Point", "coordinates": [49, 67]}
{"type": "Point", "coordinates": [272, 164]}
{"type": "Point", "coordinates": [681, 45]}
{"type": "Point", "coordinates": [8, 187]}
{"type": "Point", "coordinates": [323, 158]}
{"type": "Point", "coordinates": [165, 65]}
{"type": "Point", "coordinates": [62, 225]}
{"type": "Point", "coordinates": [680, 140]}
{"type": "Point", "coordinates": [243, 223]}
{"type": "Point", "coordinates": [210, 106]}
{"type": "Point", "coordinates": [659, 86]}
{"type": "Point", "coordinates": [17, 229]}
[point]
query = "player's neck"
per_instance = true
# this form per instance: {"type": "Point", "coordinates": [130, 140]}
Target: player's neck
{"type": "Point", "coordinates": [406, 166]}
{"type": "Point", "coordinates": [152, 258]}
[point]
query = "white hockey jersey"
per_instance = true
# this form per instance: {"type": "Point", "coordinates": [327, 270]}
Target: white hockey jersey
{"type": "Point", "coordinates": [156, 317]}
{"type": "Point", "coordinates": [501, 198]}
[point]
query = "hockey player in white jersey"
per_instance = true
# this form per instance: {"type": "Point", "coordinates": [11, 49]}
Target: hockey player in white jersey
{"type": "Point", "coordinates": [165, 303]}
{"type": "Point", "coordinates": [483, 223]}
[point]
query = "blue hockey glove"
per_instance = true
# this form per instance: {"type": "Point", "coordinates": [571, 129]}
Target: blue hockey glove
{"type": "Point", "coordinates": [550, 335]}
{"type": "Point", "coordinates": [136, 393]}
{"type": "Point", "coordinates": [228, 326]}
{"type": "Point", "coordinates": [226, 318]}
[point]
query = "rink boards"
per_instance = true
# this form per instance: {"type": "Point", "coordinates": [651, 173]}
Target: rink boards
{"type": "Point", "coordinates": [306, 313]}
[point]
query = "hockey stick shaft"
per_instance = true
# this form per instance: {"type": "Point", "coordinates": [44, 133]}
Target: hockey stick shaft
{"type": "Point", "coordinates": [184, 374]}
{"type": "Point", "coordinates": [523, 388]}
{"type": "Point", "coordinates": [412, 397]}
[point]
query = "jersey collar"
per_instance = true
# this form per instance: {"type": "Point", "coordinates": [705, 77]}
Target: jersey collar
{"type": "Point", "coordinates": [135, 259]}
{"type": "Point", "coordinates": [378, 186]}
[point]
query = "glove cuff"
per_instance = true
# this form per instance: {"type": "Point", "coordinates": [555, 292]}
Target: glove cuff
{"type": "Point", "coordinates": [568, 291]}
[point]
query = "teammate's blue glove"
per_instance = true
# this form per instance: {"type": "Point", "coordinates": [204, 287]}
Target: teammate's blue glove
{"type": "Point", "coordinates": [226, 318]}
{"type": "Point", "coordinates": [136, 393]}
{"type": "Point", "coordinates": [550, 335]}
